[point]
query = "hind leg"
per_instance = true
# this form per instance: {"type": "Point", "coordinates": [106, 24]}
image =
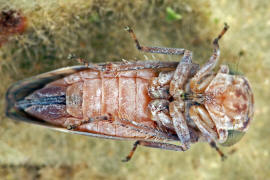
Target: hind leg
{"type": "Point", "coordinates": [159, 50]}
{"type": "Point", "coordinates": [152, 144]}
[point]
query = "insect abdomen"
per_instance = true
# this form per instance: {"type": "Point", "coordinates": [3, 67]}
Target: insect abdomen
{"type": "Point", "coordinates": [91, 94]}
{"type": "Point", "coordinates": [123, 96]}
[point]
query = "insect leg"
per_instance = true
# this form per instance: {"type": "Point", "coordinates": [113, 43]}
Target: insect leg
{"type": "Point", "coordinates": [208, 67]}
{"type": "Point", "coordinates": [152, 144]}
{"type": "Point", "coordinates": [74, 126]}
{"type": "Point", "coordinates": [159, 86]}
{"type": "Point", "coordinates": [203, 121]}
{"type": "Point", "coordinates": [181, 75]}
{"type": "Point", "coordinates": [125, 66]}
{"type": "Point", "coordinates": [222, 155]}
{"type": "Point", "coordinates": [159, 50]}
{"type": "Point", "coordinates": [159, 109]}
{"type": "Point", "coordinates": [176, 107]}
{"type": "Point", "coordinates": [180, 124]}
{"type": "Point", "coordinates": [157, 133]}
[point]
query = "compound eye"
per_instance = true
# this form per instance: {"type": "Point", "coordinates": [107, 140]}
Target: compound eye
{"type": "Point", "coordinates": [233, 137]}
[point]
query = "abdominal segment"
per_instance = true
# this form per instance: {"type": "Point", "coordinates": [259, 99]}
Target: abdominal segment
{"type": "Point", "coordinates": [102, 98]}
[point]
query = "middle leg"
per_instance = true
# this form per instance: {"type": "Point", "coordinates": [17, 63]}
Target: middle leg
{"type": "Point", "coordinates": [221, 154]}
{"type": "Point", "coordinates": [209, 66]}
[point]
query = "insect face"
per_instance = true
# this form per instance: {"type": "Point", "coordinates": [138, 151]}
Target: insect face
{"type": "Point", "coordinates": [229, 103]}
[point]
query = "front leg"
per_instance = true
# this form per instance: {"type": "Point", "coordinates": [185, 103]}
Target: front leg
{"type": "Point", "coordinates": [221, 154]}
{"type": "Point", "coordinates": [207, 68]}
{"type": "Point", "coordinates": [203, 121]}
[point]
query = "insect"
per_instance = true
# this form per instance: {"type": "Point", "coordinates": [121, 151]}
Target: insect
{"type": "Point", "coordinates": [152, 102]}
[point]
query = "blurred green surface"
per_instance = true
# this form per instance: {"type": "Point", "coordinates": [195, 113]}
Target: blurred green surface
{"type": "Point", "coordinates": [95, 30]}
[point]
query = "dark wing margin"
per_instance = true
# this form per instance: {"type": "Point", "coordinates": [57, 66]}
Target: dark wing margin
{"type": "Point", "coordinates": [23, 88]}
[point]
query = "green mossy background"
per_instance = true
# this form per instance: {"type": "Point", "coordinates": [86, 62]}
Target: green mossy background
{"type": "Point", "coordinates": [95, 30]}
